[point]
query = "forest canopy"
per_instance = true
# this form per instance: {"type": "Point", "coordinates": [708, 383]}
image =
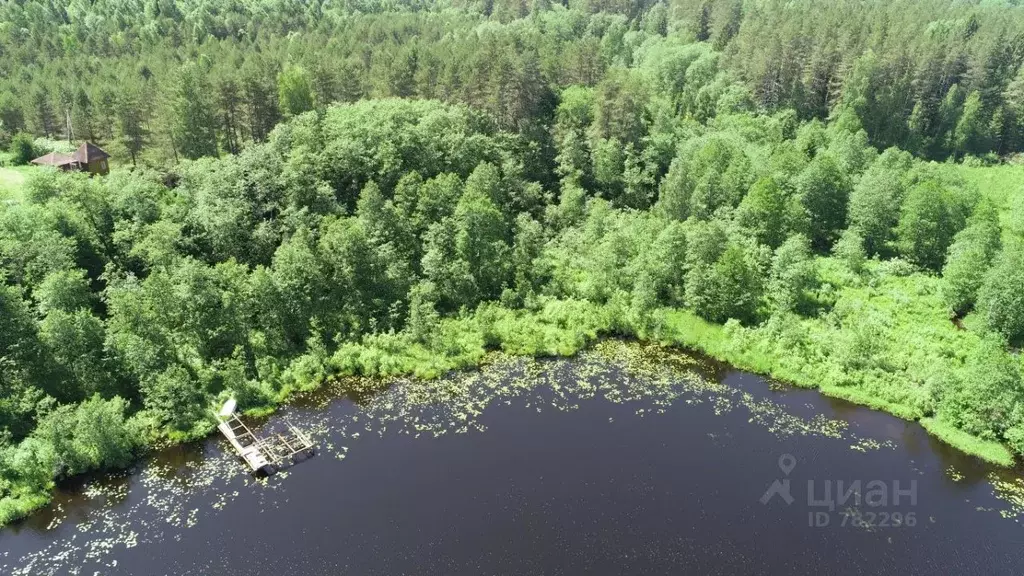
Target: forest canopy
{"type": "Point", "coordinates": [164, 79]}
{"type": "Point", "coordinates": [303, 190]}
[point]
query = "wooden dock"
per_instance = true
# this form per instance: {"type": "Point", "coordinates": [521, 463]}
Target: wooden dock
{"type": "Point", "coordinates": [265, 455]}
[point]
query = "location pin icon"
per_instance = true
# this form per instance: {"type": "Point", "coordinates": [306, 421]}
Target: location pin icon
{"type": "Point", "coordinates": [786, 463]}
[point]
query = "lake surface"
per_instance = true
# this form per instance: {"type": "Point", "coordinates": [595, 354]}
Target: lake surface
{"type": "Point", "coordinates": [625, 460]}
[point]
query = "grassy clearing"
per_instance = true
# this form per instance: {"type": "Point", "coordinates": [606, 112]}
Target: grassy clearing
{"type": "Point", "coordinates": [1000, 184]}
{"type": "Point", "coordinates": [12, 180]}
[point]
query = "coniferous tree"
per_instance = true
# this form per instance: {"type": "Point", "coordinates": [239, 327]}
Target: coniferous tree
{"type": "Point", "coordinates": [131, 121]}
{"type": "Point", "coordinates": [43, 114]}
{"type": "Point", "coordinates": [229, 112]}
{"type": "Point", "coordinates": [260, 93]}
{"type": "Point", "coordinates": [12, 116]}
{"type": "Point", "coordinates": [194, 121]}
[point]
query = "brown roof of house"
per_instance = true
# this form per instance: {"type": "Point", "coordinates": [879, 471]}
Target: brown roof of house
{"type": "Point", "coordinates": [89, 152]}
{"type": "Point", "coordinates": [54, 159]}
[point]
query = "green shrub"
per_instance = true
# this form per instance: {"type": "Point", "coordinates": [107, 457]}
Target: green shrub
{"type": "Point", "coordinates": [969, 258]}
{"type": "Point", "coordinates": [93, 435]}
{"type": "Point", "coordinates": [1001, 296]}
{"type": "Point", "coordinates": [850, 250]}
{"type": "Point", "coordinates": [22, 150]}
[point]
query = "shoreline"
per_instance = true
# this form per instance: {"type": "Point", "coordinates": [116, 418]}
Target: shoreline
{"type": "Point", "coordinates": [678, 329]}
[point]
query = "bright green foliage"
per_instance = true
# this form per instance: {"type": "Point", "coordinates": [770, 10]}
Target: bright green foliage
{"type": "Point", "coordinates": [851, 150]}
{"type": "Point", "coordinates": [442, 265]}
{"type": "Point", "coordinates": [676, 190]}
{"type": "Point", "coordinates": [21, 149]}
{"type": "Point", "coordinates": [603, 257]}
{"type": "Point", "coordinates": [729, 287]}
{"type": "Point", "coordinates": [1016, 219]}
{"type": "Point", "coordinates": [969, 258]}
{"type": "Point", "coordinates": [785, 164]}
{"type": "Point", "coordinates": [874, 201]}
{"type": "Point", "coordinates": [423, 316]}
{"type": "Point", "coordinates": [575, 109]}
{"type": "Point", "coordinates": [574, 158]}
{"type": "Point", "coordinates": [971, 134]}
{"type": "Point", "coordinates": [175, 399]}
{"type": "Point", "coordinates": [63, 290]}
{"type": "Point", "coordinates": [1001, 296]}
{"type": "Point", "coordinates": [930, 217]}
{"type": "Point", "coordinates": [981, 397]}
{"type": "Point", "coordinates": [12, 117]}
{"type": "Point", "coordinates": [465, 255]}
{"type": "Point", "coordinates": [26, 471]}
{"type": "Point", "coordinates": [850, 249]}
{"type": "Point", "coordinates": [431, 201]}
{"type": "Point", "coordinates": [485, 182]}
{"type": "Point", "coordinates": [824, 191]}
{"type": "Point", "coordinates": [792, 275]}
{"type": "Point", "coordinates": [670, 63]}
{"type": "Point", "coordinates": [93, 434]}
{"type": "Point", "coordinates": [382, 140]}
{"type": "Point", "coordinates": [898, 88]}
{"type": "Point", "coordinates": [665, 263]}
{"type": "Point", "coordinates": [481, 240]}
{"type": "Point", "coordinates": [527, 248]}
{"type": "Point", "coordinates": [21, 369]}
{"type": "Point", "coordinates": [569, 210]}
{"type": "Point", "coordinates": [294, 91]}
{"type": "Point", "coordinates": [708, 174]}
{"type": "Point", "coordinates": [132, 113]}
{"type": "Point", "coordinates": [389, 233]}
{"type": "Point", "coordinates": [769, 213]}
{"type": "Point", "coordinates": [619, 101]}
{"type": "Point", "coordinates": [181, 315]}
{"type": "Point", "coordinates": [706, 242]}
{"type": "Point", "coordinates": [812, 138]}
{"type": "Point", "coordinates": [609, 164]}
{"type": "Point", "coordinates": [366, 282]}
{"type": "Point", "coordinates": [75, 340]}
{"type": "Point", "coordinates": [573, 117]}
{"type": "Point", "coordinates": [992, 451]}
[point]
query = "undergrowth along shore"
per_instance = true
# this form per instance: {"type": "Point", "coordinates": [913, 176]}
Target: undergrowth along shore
{"type": "Point", "coordinates": [557, 328]}
{"type": "Point", "coordinates": [563, 328]}
{"type": "Point", "coordinates": [718, 346]}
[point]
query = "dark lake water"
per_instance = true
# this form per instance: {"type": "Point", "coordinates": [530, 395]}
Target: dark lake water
{"type": "Point", "coordinates": [621, 461]}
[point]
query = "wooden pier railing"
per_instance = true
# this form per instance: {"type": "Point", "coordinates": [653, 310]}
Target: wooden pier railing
{"type": "Point", "coordinates": [265, 455]}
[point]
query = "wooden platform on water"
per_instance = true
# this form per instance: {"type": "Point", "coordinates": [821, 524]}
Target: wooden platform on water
{"type": "Point", "coordinates": [262, 454]}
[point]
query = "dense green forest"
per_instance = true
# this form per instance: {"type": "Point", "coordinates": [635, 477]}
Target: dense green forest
{"type": "Point", "coordinates": [167, 79]}
{"type": "Point", "coordinates": [309, 189]}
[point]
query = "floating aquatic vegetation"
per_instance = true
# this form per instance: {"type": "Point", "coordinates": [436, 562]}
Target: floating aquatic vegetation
{"type": "Point", "coordinates": [954, 474]}
{"type": "Point", "coordinates": [58, 516]}
{"type": "Point", "coordinates": [170, 498]}
{"type": "Point", "coordinates": [865, 444]}
{"type": "Point", "coordinates": [1010, 491]}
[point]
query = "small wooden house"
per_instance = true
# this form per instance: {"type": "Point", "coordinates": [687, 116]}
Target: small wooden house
{"type": "Point", "coordinates": [88, 158]}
